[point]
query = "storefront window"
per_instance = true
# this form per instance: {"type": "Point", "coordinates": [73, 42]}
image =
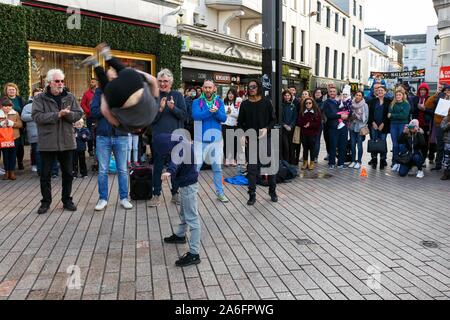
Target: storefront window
{"type": "Point", "coordinates": [68, 58]}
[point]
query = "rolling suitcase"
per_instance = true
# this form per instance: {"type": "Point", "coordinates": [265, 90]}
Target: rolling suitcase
{"type": "Point", "coordinates": [141, 182]}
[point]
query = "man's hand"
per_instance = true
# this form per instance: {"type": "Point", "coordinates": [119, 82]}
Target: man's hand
{"type": "Point", "coordinates": [165, 176]}
{"type": "Point", "coordinates": [171, 104]}
{"type": "Point", "coordinates": [214, 109]}
{"type": "Point", "coordinates": [64, 112]}
{"type": "Point", "coordinates": [262, 133]}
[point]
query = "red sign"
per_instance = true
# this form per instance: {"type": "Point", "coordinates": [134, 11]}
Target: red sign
{"type": "Point", "coordinates": [444, 75]}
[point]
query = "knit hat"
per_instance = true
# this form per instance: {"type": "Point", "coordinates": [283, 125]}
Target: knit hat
{"type": "Point", "coordinates": [347, 90]}
{"type": "Point", "coordinates": [414, 123]}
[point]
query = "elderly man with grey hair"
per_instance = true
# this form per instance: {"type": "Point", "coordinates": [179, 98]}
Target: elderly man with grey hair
{"type": "Point", "coordinates": [170, 117]}
{"type": "Point", "coordinates": [55, 111]}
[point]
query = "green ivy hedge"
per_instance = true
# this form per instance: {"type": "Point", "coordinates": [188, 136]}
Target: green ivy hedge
{"type": "Point", "coordinates": [222, 57]}
{"type": "Point", "coordinates": [21, 24]}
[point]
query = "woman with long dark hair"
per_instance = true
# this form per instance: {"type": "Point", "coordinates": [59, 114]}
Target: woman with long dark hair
{"type": "Point", "coordinates": [289, 121]}
{"type": "Point", "coordinates": [309, 121]}
{"type": "Point", "coordinates": [232, 110]}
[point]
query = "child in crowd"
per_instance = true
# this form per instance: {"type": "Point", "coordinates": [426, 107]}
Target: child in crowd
{"type": "Point", "coordinates": [346, 105]}
{"type": "Point", "coordinates": [309, 121]}
{"type": "Point", "coordinates": [82, 136]}
{"type": "Point", "coordinates": [183, 172]}
{"type": "Point", "coordinates": [10, 124]}
{"type": "Point", "coordinates": [445, 125]}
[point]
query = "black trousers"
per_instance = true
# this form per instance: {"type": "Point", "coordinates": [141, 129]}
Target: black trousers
{"type": "Point", "coordinates": [119, 90]}
{"type": "Point", "coordinates": [79, 161]}
{"type": "Point", "coordinates": [287, 146]}
{"type": "Point", "coordinates": [65, 159]}
{"type": "Point", "coordinates": [309, 147]}
{"type": "Point", "coordinates": [20, 150]}
{"type": "Point", "coordinates": [296, 149]}
{"type": "Point", "coordinates": [254, 170]}
{"type": "Point", "coordinates": [229, 154]}
{"type": "Point", "coordinates": [326, 136]}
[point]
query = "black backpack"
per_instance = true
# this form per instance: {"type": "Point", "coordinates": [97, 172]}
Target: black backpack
{"type": "Point", "coordinates": [141, 187]}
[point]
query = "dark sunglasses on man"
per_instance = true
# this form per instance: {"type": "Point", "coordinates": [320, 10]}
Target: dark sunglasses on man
{"type": "Point", "coordinates": [58, 81]}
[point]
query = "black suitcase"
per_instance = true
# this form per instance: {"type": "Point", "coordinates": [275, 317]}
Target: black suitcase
{"type": "Point", "coordinates": [141, 182]}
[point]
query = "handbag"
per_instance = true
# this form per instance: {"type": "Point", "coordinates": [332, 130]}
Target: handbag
{"type": "Point", "coordinates": [377, 146]}
{"type": "Point", "coordinates": [296, 137]}
{"type": "Point", "coordinates": [403, 157]}
{"type": "Point", "coordinates": [364, 131]}
{"type": "Point", "coordinates": [7, 138]}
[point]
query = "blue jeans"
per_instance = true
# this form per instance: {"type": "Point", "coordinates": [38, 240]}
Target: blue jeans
{"type": "Point", "coordinates": [189, 217]}
{"type": "Point", "coordinates": [378, 135]}
{"type": "Point", "coordinates": [357, 139]}
{"type": "Point", "coordinates": [396, 132]}
{"type": "Point", "coordinates": [133, 147]}
{"type": "Point", "coordinates": [158, 166]}
{"type": "Point", "coordinates": [417, 160]}
{"type": "Point", "coordinates": [117, 145]}
{"type": "Point", "coordinates": [213, 151]}
{"type": "Point", "coordinates": [339, 140]}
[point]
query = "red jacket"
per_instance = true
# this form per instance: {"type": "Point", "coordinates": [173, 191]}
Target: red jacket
{"type": "Point", "coordinates": [86, 102]}
{"type": "Point", "coordinates": [315, 121]}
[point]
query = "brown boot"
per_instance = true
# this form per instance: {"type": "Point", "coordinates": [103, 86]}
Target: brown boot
{"type": "Point", "coordinates": [446, 175]}
{"type": "Point", "coordinates": [312, 165]}
{"type": "Point", "coordinates": [6, 176]}
{"type": "Point", "coordinates": [305, 165]}
{"type": "Point", "coordinates": [12, 175]}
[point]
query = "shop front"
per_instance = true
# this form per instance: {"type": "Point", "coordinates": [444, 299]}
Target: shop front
{"type": "Point", "coordinates": [294, 75]}
{"type": "Point", "coordinates": [45, 56]}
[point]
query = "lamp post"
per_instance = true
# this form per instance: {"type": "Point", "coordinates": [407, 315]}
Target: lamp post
{"type": "Point", "coordinates": [272, 52]}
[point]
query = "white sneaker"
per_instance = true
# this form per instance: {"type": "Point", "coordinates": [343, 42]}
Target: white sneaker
{"type": "Point", "coordinates": [126, 204]}
{"type": "Point", "coordinates": [33, 168]}
{"type": "Point", "coordinates": [420, 174]}
{"type": "Point", "coordinates": [2, 171]}
{"type": "Point", "coordinates": [101, 205]}
{"type": "Point", "coordinates": [357, 166]}
{"type": "Point", "coordinates": [352, 165]}
{"type": "Point", "coordinates": [396, 168]}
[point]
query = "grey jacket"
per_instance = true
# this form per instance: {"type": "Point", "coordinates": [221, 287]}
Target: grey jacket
{"type": "Point", "coordinates": [32, 131]}
{"type": "Point", "coordinates": [55, 134]}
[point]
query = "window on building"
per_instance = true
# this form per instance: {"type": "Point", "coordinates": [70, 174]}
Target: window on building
{"type": "Point", "coordinates": [319, 11]}
{"type": "Point", "coordinates": [360, 39]}
{"type": "Point", "coordinates": [359, 69]}
{"type": "Point", "coordinates": [302, 48]}
{"type": "Point", "coordinates": [343, 66]}
{"type": "Point", "coordinates": [415, 52]}
{"type": "Point", "coordinates": [353, 67]}
{"type": "Point", "coordinates": [406, 53]}
{"type": "Point", "coordinates": [283, 46]}
{"type": "Point", "coordinates": [293, 43]}
{"type": "Point", "coordinates": [336, 22]}
{"type": "Point", "coordinates": [327, 61]}
{"type": "Point", "coordinates": [405, 69]}
{"type": "Point", "coordinates": [414, 68]}
{"type": "Point", "coordinates": [335, 64]}
{"type": "Point", "coordinates": [317, 59]}
{"type": "Point", "coordinates": [354, 8]}
{"type": "Point", "coordinates": [354, 37]}
{"type": "Point", "coordinates": [328, 17]}
{"type": "Point", "coordinates": [360, 13]}
{"type": "Point", "coordinates": [344, 26]}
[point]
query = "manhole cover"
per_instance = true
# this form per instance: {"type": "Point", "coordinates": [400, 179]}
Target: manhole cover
{"type": "Point", "coordinates": [430, 244]}
{"type": "Point", "coordinates": [303, 242]}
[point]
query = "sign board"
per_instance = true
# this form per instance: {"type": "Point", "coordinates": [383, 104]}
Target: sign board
{"type": "Point", "coordinates": [186, 44]}
{"type": "Point", "coordinates": [222, 78]}
{"type": "Point", "coordinates": [354, 86]}
{"type": "Point", "coordinates": [443, 107]}
{"type": "Point", "coordinates": [402, 74]}
{"type": "Point", "coordinates": [444, 75]}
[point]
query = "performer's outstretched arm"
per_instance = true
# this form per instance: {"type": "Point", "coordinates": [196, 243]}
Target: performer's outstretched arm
{"type": "Point", "coordinates": [152, 81]}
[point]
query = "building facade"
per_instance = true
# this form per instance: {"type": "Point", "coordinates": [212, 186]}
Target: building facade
{"type": "Point", "coordinates": [442, 8]}
{"type": "Point", "coordinates": [414, 51]}
{"type": "Point", "coordinates": [432, 61]}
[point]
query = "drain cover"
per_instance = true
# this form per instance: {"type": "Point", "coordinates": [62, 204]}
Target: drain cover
{"type": "Point", "coordinates": [430, 244]}
{"type": "Point", "coordinates": [303, 242]}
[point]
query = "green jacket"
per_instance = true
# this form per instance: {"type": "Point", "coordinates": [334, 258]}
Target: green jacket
{"type": "Point", "coordinates": [54, 133]}
{"type": "Point", "coordinates": [400, 112]}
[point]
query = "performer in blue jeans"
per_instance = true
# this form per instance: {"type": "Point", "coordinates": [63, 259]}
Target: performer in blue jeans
{"type": "Point", "coordinates": [183, 172]}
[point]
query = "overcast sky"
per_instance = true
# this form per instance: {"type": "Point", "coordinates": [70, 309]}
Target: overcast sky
{"type": "Point", "coordinates": [399, 17]}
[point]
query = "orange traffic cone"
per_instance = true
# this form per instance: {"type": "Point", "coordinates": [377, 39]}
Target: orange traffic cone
{"type": "Point", "coordinates": [364, 173]}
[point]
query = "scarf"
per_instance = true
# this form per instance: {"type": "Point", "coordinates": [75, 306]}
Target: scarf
{"type": "Point", "coordinates": [214, 101]}
{"type": "Point", "coordinates": [358, 109]}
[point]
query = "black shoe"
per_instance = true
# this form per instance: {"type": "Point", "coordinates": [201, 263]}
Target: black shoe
{"type": "Point", "coordinates": [436, 169]}
{"type": "Point", "coordinates": [374, 165]}
{"type": "Point", "coordinates": [43, 209]}
{"type": "Point", "coordinates": [174, 239]}
{"type": "Point", "coordinates": [274, 197]}
{"type": "Point", "coordinates": [20, 166]}
{"type": "Point", "coordinates": [70, 206]}
{"type": "Point", "coordinates": [188, 259]}
{"type": "Point", "coordinates": [383, 165]}
{"type": "Point", "coordinates": [371, 162]}
{"type": "Point", "coordinates": [252, 200]}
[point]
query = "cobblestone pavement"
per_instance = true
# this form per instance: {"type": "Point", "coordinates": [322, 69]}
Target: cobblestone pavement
{"type": "Point", "coordinates": [344, 237]}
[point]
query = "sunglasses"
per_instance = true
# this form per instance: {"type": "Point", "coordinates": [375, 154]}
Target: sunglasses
{"type": "Point", "coordinates": [253, 87]}
{"type": "Point", "coordinates": [308, 103]}
{"type": "Point", "coordinates": [58, 81]}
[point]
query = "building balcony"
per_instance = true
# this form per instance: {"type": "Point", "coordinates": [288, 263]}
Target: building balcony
{"type": "Point", "coordinates": [251, 8]}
